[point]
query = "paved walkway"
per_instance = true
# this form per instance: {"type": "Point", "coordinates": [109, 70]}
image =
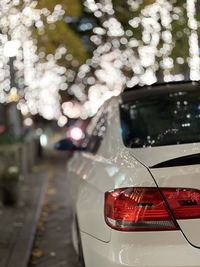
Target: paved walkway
{"type": "Point", "coordinates": [18, 224]}
{"type": "Point", "coordinates": [53, 247]}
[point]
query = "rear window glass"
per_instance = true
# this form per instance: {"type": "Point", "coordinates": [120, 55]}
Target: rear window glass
{"type": "Point", "coordinates": [165, 119]}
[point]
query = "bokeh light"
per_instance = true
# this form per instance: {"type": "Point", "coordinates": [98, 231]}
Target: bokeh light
{"type": "Point", "coordinates": [152, 41]}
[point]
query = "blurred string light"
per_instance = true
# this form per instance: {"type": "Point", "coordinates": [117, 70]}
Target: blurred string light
{"type": "Point", "coordinates": [121, 57]}
{"type": "Point", "coordinates": [43, 140]}
{"type": "Point", "coordinates": [62, 121]}
{"type": "Point", "coordinates": [76, 133]}
{"type": "Point", "coordinates": [101, 77]}
{"type": "Point", "coordinates": [194, 60]}
{"type": "Point", "coordinates": [11, 48]}
{"type": "Point", "coordinates": [28, 122]}
{"type": "Point", "coordinates": [37, 82]}
{"type": "Point", "coordinates": [122, 60]}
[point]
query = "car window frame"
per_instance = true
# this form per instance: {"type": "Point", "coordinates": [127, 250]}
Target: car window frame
{"type": "Point", "coordinates": [92, 127]}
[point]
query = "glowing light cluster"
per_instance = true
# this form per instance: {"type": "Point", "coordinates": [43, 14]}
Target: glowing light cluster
{"type": "Point", "coordinates": [194, 60]}
{"type": "Point", "coordinates": [24, 78]}
{"type": "Point", "coordinates": [123, 59]}
{"type": "Point", "coordinates": [139, 51]}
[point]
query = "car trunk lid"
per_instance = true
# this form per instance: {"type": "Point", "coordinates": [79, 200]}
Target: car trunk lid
{"type": "Point", "coordinates": [178, 167]}
{"type": "Point", "coordinates": [153, 156]}
{"type": "Point", "coordinates": [181, 177]}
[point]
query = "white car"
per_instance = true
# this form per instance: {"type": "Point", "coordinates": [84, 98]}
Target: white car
{"type": "Point", "coordinates": [135, 186]}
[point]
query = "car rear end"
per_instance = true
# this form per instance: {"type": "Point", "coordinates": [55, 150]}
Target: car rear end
{"type": "Point", "coordinates": [157, 224]}
{"type": "Point", "coordinates": [151, 226]}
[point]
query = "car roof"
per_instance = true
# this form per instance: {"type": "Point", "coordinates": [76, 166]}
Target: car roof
{"type": "Point", "coordinates": [139, 92]}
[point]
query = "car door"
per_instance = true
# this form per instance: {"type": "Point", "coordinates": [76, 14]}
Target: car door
{"type": "Point", "coordinates": [85, 170]}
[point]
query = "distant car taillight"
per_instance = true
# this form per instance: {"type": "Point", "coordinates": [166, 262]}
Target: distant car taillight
{"type": "Point", "coordinates": [148, 209]}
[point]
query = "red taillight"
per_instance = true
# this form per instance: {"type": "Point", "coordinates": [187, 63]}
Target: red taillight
{"type": "Point", "coordinates": [138, 209]}
{"type": "Point", "coordinates": [148, 209]}
{"type": "Point", "coordinates": [184, 203]}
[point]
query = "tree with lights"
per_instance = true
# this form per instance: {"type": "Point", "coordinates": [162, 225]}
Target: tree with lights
{"type": "Point", "coordinates": [133, 42]}
{"type": "Point", "coordinates": [138, 42]}
{"type": "Point", "coordinates": [30, 76]}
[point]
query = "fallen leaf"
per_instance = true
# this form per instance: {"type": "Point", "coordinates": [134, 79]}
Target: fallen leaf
{"type": "Point", "coordinates": [52, 191]}
{"type": "Point", "coordinates": [37, 253]}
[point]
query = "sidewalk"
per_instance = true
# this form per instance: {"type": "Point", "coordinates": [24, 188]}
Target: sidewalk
{"type": "Point", "coordinates": [53, 244]}
{"type": "Point", "coordinates": [18, 224]}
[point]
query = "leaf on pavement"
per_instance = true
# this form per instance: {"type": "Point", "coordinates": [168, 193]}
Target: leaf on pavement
{"type": "Point", "coordinates": [37, 253]}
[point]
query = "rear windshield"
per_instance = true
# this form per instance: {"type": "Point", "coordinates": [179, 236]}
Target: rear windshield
{"type": "Point", "coordinates": [166, 119]}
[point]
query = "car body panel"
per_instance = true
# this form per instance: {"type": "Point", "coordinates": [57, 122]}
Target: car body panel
{"type": "Point", "coordinates": [91, 175]}
{"type": "Point", "coordinates": [182, 177]}
{"type": "Point", "coordinates": [148, 249]}
{"type": "Point", "coordinates": [154, 155]}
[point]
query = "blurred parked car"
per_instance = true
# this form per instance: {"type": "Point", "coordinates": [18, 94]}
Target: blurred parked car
{"type": "Point", "coordinates": [135, 182]}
